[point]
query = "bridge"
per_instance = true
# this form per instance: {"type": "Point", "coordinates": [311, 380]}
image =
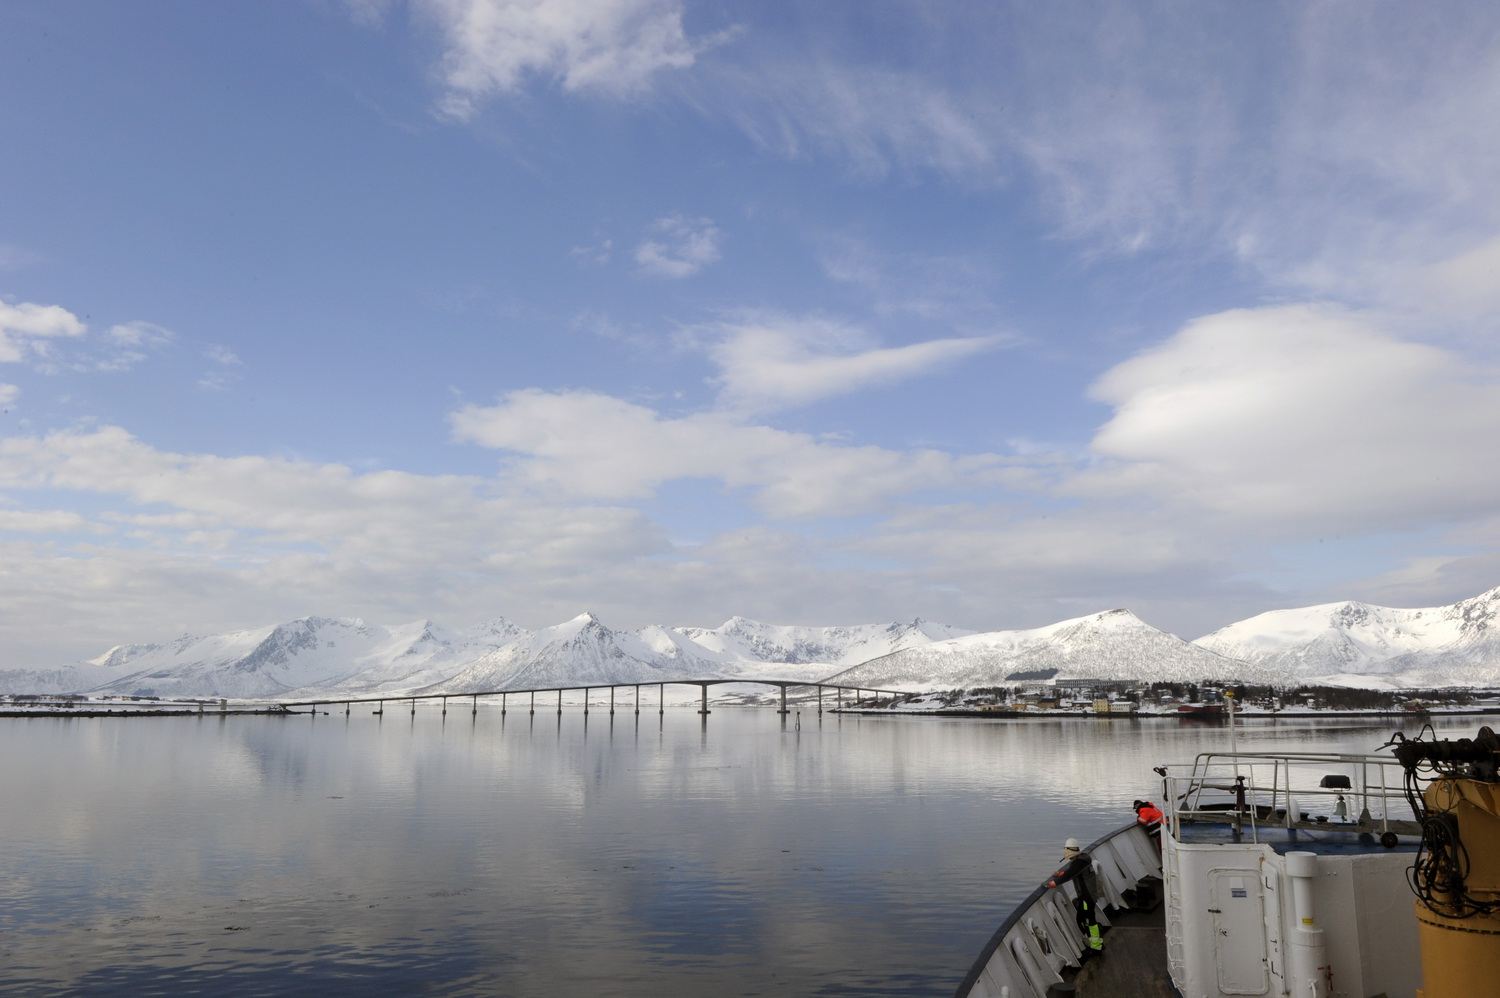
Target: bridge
{"type": "Point", "coordinates": [505, 695]}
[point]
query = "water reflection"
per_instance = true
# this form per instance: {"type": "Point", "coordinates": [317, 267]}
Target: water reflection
{"type": "Point", "coordinates": [735, 854]}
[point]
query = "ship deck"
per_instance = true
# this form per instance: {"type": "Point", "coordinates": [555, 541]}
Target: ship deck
{"type": "Point", "coordinates": [1326, 840]}
{"type": "Point", "coordinates": [1133, 963]}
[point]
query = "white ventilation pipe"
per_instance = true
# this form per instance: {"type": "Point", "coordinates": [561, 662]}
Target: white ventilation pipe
{"type": "Point", "coordinates": [1309, 955]}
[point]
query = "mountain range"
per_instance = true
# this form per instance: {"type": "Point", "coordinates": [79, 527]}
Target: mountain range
{"type": "Point", "coordinates": [1351, 644]}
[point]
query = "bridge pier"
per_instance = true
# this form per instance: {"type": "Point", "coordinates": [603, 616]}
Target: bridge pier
{"type": "Point", "coordinates": [413, 706]}
{"type": "Point", "coordinates": [346, 710]}
{"type": "Point", "coordinates": [445, 706]}
{"type": "Point", "coordinates": [504, 700]}
{"type": "Point", "coordinates": [637, 699]}
{"type": "Point", "coordinates": [611, 701]}
{"type": "Point", "coordinates": [661, 703]}
{"type": "Point", "coordinates": [585, 701]}
{"type": "Point", "coordinates": [704, 709]}
{"type": "Point", "coordinates": [820, 699]}
{"type": "Point", "coordinates": [783, 711]}
{"type": "Point", "coordinates": [533, 702]}
{"type": "Point", "coordinates": [559, 704]}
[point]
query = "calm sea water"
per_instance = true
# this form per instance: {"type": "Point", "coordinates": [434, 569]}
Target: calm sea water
{"type": "Point", "coordinates": [548, 856]}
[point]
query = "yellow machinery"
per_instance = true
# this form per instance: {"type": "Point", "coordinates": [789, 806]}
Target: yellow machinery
{"type": "Point", "coordinates": [1456, 874]}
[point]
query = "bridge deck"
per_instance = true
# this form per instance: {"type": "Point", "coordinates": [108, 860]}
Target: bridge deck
{"type": "Point", "coordinates": [783, 684]}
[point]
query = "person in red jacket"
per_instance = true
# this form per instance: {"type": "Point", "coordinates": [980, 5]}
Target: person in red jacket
{"type": "Point", "coordinates": [1148, 814]}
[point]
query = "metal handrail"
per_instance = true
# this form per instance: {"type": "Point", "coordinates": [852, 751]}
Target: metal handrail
{"type": "Point", "coordinates": [1254, 800]}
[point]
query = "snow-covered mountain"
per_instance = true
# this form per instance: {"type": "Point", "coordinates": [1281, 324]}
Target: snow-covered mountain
{"type": "Point", "coordinates": [62, 679]}
{"type": "Point", "coordinates": [1115, 644]}
{"type": "Point", "coordinates": [584, 651]}
{"type": "Point", "coordinates": [1345, 643]}
{"type": "Point", "coordinates": [309, 654]}
{"type": "Point", "coordinates": [1359, 644]}
{"type": "Point", "coordinates": [579, 652]}
{"type": "Point", "coordinates": [318, 656]}
{"type": "Point", "coordinates": [119, 655]}
{"type": "Point", "coordinates": [740, 639]}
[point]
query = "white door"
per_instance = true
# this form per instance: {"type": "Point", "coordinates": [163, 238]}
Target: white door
{"type": "Point", "coordinates": [1236, 908]}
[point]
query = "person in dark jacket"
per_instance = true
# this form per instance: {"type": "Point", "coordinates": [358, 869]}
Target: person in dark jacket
{"type": "Point", "coordinates": [1078, 866]}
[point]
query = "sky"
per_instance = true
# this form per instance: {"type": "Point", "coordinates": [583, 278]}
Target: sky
{"type": "Point", "coordinates": [817, 313]}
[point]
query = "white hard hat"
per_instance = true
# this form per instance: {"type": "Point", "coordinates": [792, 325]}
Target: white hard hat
{"type": "Point", "coordinates": [1072, 844]}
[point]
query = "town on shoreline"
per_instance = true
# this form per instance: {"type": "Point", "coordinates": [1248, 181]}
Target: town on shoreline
{"type": "Point", "coordinates": [1104, 699]}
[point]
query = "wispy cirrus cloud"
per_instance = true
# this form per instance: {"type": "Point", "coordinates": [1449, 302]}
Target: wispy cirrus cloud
{"type": "Point", "coordinates": [129, 343]}
{"type": "Point", "coordinates": [16, 257]}
{"type": "Point", "coordinates": [1340, 150]}
{"type": "Point", "coordinates": [870, 118]}
{"type": "Point", "coordinates": [609, 47]}
{"type": "Point", "coordinates": [224, 372]}
{"type": "Point", "coordinates": [677, 246]}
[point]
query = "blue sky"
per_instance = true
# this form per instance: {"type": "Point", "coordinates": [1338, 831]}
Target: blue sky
{"type": "Point", "coordinates": [817, 313]}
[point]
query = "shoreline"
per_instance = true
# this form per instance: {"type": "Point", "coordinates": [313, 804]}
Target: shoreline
{"type": "Point", "coordinates": [1080, 715]}
{"type": "Point", "coordinates": [148, 712]}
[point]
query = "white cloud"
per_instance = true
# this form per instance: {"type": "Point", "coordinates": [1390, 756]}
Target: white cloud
{"type": "Point", "coordinates": [200, 537]}
{"type": "Point", "coordinates": [1468, 282]}
{"type": "Point", "coordinates": [678, 247]}
{"type": "Point", "coordinates": [591, 446]}
{"type": "Point", "coordinates": [128, 344]}
{"type": "Point", "coordinates": [45, 522]}
{"type": "Point", "coordinates": [223, 375]}
{"type": "Point", "coordinates": [138, 334]}
{"type": "Point", "coordinates": [614, 47]}
{"type": "Point", "coordinates": [26, 328]}
{"type": "Point", "coordinates": [1306, 417]}
{"type": "Point", "coordinates": [29, 332]}
{"type": "Point", "coordinates": [370, 13]}
{"type": "Point", "coordinates": [14, 257]}
{"type": "Point", "coordinates": [599, 253]}
{"type": "Point", "coordinates": [770, 362]}
{"type": "Point", "coordinates": [204, 542]}
{"type": "Point", "coordinates": [9, 394]}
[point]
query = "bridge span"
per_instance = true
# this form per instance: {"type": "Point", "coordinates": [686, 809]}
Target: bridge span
{"type": "Point", "coordinates": [505, 695]}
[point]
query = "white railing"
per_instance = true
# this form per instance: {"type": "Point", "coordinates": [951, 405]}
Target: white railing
{"type": "Point", "coordinates": [1308, 791]}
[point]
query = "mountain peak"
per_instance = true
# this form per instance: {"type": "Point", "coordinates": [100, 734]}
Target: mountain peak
{"type": "Point", "coordinates": [1457, 644]}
